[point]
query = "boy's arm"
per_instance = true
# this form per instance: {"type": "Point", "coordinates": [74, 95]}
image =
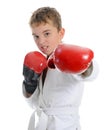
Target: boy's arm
{"type": "Point", "coordinates": [91, 73]}
{"type": "Point", "coordinates": [71, 59]}
{"type": "Point", "coordinates": [76, 60]}
{"type": "Point", "coordinates": [34, 64]}
{"type": "Point", "coordinates": [30, 82]}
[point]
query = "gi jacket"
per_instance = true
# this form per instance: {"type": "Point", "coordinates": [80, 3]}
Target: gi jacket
{"type": "Point", "coordinates": [57, 102]}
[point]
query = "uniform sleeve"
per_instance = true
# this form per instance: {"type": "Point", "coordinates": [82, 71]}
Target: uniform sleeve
{"type": "Point", "coordinates": [33, 99]}
{"type": "Point", "coordinates": [93, 74]}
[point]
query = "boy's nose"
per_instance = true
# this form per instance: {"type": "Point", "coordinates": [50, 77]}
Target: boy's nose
{"type": "Point", "coordinates": [41, 41]}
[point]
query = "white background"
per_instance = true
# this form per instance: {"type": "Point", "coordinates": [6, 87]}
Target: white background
{"type": "Point", "coordinates": [86, 23]}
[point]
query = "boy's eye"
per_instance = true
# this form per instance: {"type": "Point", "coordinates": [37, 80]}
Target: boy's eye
{"type": "Point", "coordinates": [46, 34]}
{"type": "Point", "coordinates": [35, 37]}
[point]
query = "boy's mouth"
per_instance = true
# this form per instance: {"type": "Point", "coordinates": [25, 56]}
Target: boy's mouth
{"type": "Point", "coordinates": [44, 48]}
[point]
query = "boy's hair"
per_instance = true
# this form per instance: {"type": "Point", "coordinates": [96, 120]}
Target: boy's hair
{"type": "Point", "coordinates": [44, 15]}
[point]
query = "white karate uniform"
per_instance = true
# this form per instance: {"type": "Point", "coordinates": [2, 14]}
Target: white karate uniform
{"type": "Point", "coordinates": [57, 102]}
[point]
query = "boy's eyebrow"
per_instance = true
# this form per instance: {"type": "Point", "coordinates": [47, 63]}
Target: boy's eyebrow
{"type": "Point", "coordinates": [46, 30]}
{"type": "Point", "coordinates": [42, 32]}
{"type": "Point", "coordinates": [34, 34]}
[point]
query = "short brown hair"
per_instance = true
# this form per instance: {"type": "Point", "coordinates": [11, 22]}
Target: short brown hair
{"type": "Point", "coordinates": [46, 14]}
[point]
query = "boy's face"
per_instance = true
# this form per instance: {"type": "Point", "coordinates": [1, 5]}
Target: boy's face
{"type": "Point", "coordinates": [47, 37]}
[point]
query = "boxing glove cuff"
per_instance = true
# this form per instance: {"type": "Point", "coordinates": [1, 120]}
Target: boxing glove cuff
{"type": "Point", "coordinates": [29, 87]}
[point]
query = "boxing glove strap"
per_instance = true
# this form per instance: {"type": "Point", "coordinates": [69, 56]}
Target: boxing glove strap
{"type": "Point", "coordinates": [29, 87]}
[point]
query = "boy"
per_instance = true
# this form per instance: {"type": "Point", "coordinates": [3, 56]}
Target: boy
{"type": "Point", "coordinates": [55, 92]}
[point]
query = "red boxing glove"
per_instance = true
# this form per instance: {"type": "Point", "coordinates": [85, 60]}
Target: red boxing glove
{"type": "Point", "coordinates": [35, 61]}
{"type": "Point", "coordinates": [51, 62]}
{"type": "Point", "coordinates": [72, 58]}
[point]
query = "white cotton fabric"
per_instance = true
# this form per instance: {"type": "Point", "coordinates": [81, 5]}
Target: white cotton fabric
{"type": "Point", "coordinates": [57, 102]}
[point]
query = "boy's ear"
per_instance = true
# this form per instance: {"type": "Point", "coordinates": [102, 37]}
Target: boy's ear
{"type": "Point", "coordinates": [62, 32]}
